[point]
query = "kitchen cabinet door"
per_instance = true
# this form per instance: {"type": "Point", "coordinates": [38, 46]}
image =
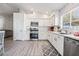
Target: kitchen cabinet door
{"type": "Point", "coordinates": [27, 34]}
{"type": "Point", "coordinates": [55, 40]}
{"type": "Point", "coordinates": [18, 26]}
{"type": "Point", "coordinates": [43, 33]}
{"type": "Point", "coordinates": [60, 44]}
{"type": "Point", "coordinates": [50, 37]}
{"type": "Point", "coordinates": [42, 23]}
{"type": "Point", "coordinates": [26, 21]}
{"type": "Point", "coordinates": [50, 22]}
{"type": "Point", "coordinates": [45, 22]}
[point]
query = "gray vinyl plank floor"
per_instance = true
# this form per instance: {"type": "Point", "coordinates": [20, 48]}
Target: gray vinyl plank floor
{"type": "Point", "coordinates": [28, 48]}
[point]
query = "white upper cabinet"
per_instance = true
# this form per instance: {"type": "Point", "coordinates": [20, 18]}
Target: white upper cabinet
{"type": "Point", "coordinates": [26, 21]}
{"type": "Point", "coordinates": [56, 18]}
{"type": "Point", "coordinates": [46, 22]}
{"type": "Point", "coordinates": [52, 20]}
{"type": "Point", "coordinates": [42, 22]}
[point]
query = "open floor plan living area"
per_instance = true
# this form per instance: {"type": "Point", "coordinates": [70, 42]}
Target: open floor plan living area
{"type": "Point", "coordinates": [39, 29]}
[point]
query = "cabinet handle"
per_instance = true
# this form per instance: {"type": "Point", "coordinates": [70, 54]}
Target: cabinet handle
{"type": "Point", "coordinates": [55, 39]}
{"type": "Point", "coordinates": [58, 37]}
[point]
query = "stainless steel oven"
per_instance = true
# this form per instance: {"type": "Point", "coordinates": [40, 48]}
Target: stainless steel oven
{"type": "Point", "coordinates": [34, 30]}
{"type": "Point", "coordinates": [33, 35]}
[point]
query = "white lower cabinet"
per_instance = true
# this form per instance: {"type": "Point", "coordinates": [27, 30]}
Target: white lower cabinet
{"type": "Point", "coordinates": [26, 35]}
{"type": "Point", "coordinates": [57, 41]}
{"type": "Point", "coordinates": [60, 44]}
{"type": "Point", "coordinates": [51, 38]}
{"type": "Point", "coordinates": [43, 33]}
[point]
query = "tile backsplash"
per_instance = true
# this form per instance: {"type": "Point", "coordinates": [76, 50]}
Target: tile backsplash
{"type": "Point", "coordinates": [73, 29]}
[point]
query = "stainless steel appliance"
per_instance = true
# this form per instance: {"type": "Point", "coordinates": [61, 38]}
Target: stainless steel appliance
{"type": "Point", "coordinates": [34, 30]}
{"type": "Point", "coordinates": [33, 35]}
{"type": "Point", "coordinates": [34, 24]}
{"type": "Point", "coordinates": [71, 47]}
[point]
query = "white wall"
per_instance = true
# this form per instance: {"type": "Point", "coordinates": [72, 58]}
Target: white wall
{"type": "Point", "coordinates": [6, 22]}
{"type": "Point", "coordinates": [1, 22]}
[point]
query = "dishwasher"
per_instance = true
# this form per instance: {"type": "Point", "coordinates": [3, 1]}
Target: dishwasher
{"type": "Point", "coordinates": [71, 47]}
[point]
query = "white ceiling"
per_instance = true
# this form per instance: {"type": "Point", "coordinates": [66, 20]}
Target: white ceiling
{"type": "Point", "coordinates": [43, 8]}
{"type": "Point", "coordinates": [6, 9]}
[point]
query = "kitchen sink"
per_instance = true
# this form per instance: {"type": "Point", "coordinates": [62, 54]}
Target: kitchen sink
{"type": "Point", "coordinates": [63, 33]}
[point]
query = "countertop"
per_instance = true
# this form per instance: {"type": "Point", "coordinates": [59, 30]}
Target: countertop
{"type": "Point", "coordinates": [67, 35]}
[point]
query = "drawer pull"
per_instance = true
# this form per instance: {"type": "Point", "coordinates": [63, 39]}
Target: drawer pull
{"type": "Point", "coordinates": [55, 39]}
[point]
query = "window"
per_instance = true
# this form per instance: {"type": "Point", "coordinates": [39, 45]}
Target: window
{"type": "Point", "coordinates": [66, 21]}
{"type": "Point", "coordinates": [71, 20]}
{"type": "Point", "coordinates": [75, 17]}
